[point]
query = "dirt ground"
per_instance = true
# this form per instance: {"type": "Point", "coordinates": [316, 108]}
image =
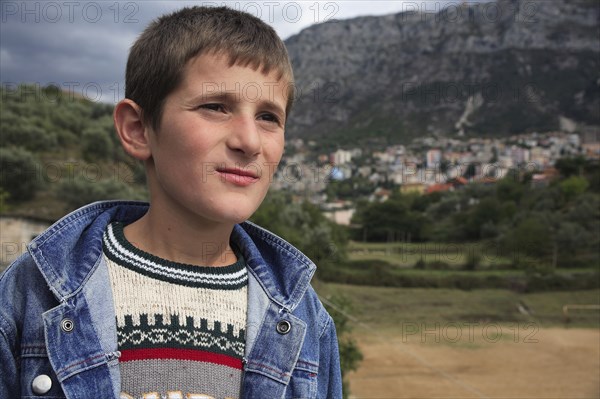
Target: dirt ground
{"type": "Point", "coordinates": [547, 363]}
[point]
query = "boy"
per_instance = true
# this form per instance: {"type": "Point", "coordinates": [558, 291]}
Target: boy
{"type": "Point", "coordinates": [181, 298]}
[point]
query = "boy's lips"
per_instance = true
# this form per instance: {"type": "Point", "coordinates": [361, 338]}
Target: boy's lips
{"type": "Point", "coordinates": [238, 176]}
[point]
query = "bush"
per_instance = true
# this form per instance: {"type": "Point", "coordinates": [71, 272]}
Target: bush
{"type": "Point", "coordinates": [437, 265]}
{"type": "Point", "coordinates": [80, 191]}
{"type": "Point", "coordinates": [434, 265]}
{"type": "Point", "coordinates": [563, 282]}
{"type": "Point", "coordinates": [532, 265]}
{"type": "Point", "coordinates": [473, 261]}
{"type": "Point", "coordinates": [28, 134]}
{"type": "Point", "coordinates": [420, 264]}
{"type": "Point", "coordinates": [96, 144]}
{"type": "Point", "coordinates": [19, 173]}
{"type": "Point", "coordinates": [381, 275]}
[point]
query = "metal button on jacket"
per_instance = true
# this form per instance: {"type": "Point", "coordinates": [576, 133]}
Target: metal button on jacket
{"type": "Point", "coordinates": [284, 327]}
{"type": "Point", "coordinates": [67, 325]}
{"type": "Point", "coordinates": [41, 384]}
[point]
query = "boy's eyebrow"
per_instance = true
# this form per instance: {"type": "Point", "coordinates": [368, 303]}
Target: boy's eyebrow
{"type": "Point", "coordinates": [273, 107]}
{"type": "Point", "coordinates": [216, 96]}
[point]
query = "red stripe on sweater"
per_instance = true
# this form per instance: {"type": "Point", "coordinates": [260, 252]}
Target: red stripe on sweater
{"type": "Point", "coordinates": [128, 355]}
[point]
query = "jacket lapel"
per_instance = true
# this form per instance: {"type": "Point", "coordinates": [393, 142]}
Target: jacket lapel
{"type": "Point", "coordinates": [278, 278]}
{"type": "Point", "coordinates": [75, 352]}
{"type": "Point", "coordinates": [272, 355]}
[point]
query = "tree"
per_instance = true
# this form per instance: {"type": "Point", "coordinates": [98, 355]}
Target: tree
{"type": "Point", "coordinates": [304, 226]}
{"type": "Point", "coordinates": [531, 244]}
{"type": "Point", "coordinates": [570, 166]}
{"type": "Point", "coordinates": [487, 211]}
{"type": "Point", "coordinates": [585, 211]}
{"type": "Point", "coordinates": [570, 238]}
{"type": "Point", "coordinates": [470, 172]}
{"type": "Point", "coordinates": [394, 218]}
{"type": "Point", "coordinates": [509, 189]}
{"type": "Point", "coordinates": [573, 186]}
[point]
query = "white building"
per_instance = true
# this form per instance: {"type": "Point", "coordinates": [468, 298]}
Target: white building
{"type": "Point", "coordinates": [341, 157]}
{"type": "Point", "coordinates": [433, 158]}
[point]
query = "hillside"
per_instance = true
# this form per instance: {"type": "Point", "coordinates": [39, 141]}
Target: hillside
{"type": "Point", "coordinates": [489, 69]}
{"type": "Point", "coordinates": [59, 152]}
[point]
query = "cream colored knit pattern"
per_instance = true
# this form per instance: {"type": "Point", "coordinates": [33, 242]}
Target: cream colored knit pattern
{"type": "Point", "coordinates": [179, 327]}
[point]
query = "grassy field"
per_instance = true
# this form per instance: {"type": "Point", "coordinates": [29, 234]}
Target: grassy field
{"type": "Point", "coordinates": [406, 255]}
{"type": "Point", "coordinates": [450, 343]}
{"type": "Point", "coordinates": [391, 308]}
{"type": "Point", "coordinates": [468, 266]}
{"type": "Point", "coordinates": [454, 255]}
{"type": "Point", "coordinates": [449, 252]}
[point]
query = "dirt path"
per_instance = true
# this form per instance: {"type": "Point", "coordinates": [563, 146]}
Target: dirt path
{"type": "Point", "coordinates": [550, 363]}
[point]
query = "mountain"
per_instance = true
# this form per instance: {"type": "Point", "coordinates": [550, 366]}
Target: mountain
{"type": "Point", "coordinates": [488, 69]}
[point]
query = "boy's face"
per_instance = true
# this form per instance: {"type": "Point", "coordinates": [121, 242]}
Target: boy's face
{"type": "Point", "coordinates": [220, 139]}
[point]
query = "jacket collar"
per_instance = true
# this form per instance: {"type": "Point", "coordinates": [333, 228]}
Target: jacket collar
{"type": "Point", "coordinates": [68, 252]}
{"type": "Point", "coordinates": [282, 270]}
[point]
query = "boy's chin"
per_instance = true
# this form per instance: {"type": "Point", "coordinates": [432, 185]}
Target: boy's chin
{"type": "Point", "coordinates": [235, 216]}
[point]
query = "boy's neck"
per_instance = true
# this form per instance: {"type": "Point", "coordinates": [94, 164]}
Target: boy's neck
{"type": "Point", "coordinates": [182, 241]}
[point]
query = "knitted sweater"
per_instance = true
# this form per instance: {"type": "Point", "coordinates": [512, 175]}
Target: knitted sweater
{"type": "Point", "coordinates": [180, 328]}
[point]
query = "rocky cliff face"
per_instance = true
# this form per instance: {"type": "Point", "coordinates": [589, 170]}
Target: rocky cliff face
{"type": "Point", "coordinates": [488, 69]}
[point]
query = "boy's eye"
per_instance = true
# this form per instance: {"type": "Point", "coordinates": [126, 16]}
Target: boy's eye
{"type": "Point", "coordinates": [213, 107]}
{"type": "Point", "coordinates": [269, 118]}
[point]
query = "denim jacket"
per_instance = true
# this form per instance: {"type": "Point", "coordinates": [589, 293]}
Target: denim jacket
{"type": "Point", "coordinates": [57, 315]}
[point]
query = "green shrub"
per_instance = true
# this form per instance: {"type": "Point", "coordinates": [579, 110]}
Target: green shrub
{"type": "Point", "coordinates": [420, 264]}
{"type": "Point", "coordinates": [80, 191]}
{"type": "Point", "coordinates": [19, 173]}
{"type": "Point", "coordinates": [437, 265]}
{"type": "Point", "coordinates": [563, 282]}
{"type": "Point", "coordinates": [473, 261]}
{"type": "Point", "coordinates": [96, 144]}
{"type": "Point", "coordinates": [28, 134]}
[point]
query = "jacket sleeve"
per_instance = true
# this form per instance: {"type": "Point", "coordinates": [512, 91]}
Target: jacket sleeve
{"type": "Point", "coordinates": [330, 376]}
{"type": "Point", "coordinates": [9, 381]}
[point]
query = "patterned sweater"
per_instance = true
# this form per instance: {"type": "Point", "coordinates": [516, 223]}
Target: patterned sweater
{"type": "Point", "coordinates": [180, 328]}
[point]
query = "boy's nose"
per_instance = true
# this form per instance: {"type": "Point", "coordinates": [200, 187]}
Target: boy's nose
{"type": "Point", "coordinates": [244, 136]}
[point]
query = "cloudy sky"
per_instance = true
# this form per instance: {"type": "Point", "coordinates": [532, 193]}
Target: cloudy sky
{"type": "Point", "coordinates": [82, 46]}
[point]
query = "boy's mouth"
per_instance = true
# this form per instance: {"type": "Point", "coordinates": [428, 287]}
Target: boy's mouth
{"type": "Point", "coordinates": [238, 176]}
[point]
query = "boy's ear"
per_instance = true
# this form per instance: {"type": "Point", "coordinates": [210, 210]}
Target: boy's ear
{"type": "Point", "coordinates": [131, 129]}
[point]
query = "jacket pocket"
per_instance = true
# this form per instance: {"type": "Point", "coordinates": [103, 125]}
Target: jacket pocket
{"type": "Point", "coordinates": [303, 384]}
{"type": "Point", "coordinates": [35, 364]}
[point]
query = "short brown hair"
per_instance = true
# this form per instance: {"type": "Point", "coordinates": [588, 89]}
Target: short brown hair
{"type": "Point", "coordinates": [158, 57]}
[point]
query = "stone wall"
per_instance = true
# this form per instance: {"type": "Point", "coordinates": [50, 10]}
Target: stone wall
{"type": "Point", "coordinates": [15, 233]}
